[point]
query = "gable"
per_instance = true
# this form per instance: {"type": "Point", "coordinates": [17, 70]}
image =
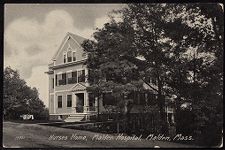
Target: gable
{"type": "Point", "coordinates": [69, 42]}
{"type": "Point", "coordinates": [78, 87]}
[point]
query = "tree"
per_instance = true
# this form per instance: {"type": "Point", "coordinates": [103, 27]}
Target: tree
{"type": "Point", "coordinates": [108, 70]}
{"type": "Point", "coordinates": [18, 98]}
{"type": "Point", "coordinates": [181, 46]}
{"type": "Point", "coordinates": [148, 20]}
{"type": "Point", "coordinates": [104, 61]}
{"type": "Point", "coordinates": [118, 46]}
{"type": "Point", "coordinates": [198, 79]}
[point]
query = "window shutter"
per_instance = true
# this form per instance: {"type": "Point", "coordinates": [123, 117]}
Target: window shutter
{"type": "Point", "coordinates": [64, 58]}
{"type": "Point", "coordinates": [83, 75]}
{"type": "Point", "coordinates": [64, 78]}
{"type": "Point", "coordinates": [56, 80]}
{"type": "Point", "coordinates": [74, 56]}
{"type": "Point", "coordinates": [53, 83]}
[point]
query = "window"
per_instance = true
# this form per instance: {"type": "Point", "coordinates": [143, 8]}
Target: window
{"type": "Point", "coordinates": [91, 99]}
{"type": "Point", "coordinates": [59, 101]}
{"type": "Point", "coordinates": [64, 57]}
{"type": "Point", "coordinates": [63, 78]}
{"type": "Point", "coordinates": [74, 77]}
{"type": "Point", "coordinates": [69, 100]}
{"type": "Point", "coordinates": [81, 76]}
{"type": "Point", "coordinates": [74, 56]}
{"type": "Point", "coordinates": [69, 56]}
{"type": "Point", "coordinates": [59, 79]}
{"type": "Point", "coordinates": [69, 77]}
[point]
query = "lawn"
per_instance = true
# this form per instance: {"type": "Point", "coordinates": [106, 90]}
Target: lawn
{"type": "Point", "coordinates": [33, 135]}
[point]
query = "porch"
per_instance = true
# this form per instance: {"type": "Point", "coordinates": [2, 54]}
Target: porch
{"type": "Point", "coordinates": [83, 102]}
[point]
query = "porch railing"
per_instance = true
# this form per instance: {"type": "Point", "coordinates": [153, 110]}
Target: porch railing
{"type": "Point", "coordinates": [81, 109]}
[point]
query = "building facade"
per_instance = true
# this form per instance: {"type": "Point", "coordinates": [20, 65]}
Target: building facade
{"type": "Point", "coordinates": [69, 99]}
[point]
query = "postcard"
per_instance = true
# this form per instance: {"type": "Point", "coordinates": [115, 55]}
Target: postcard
{"type": "Point", "coordinates": [113, 75]}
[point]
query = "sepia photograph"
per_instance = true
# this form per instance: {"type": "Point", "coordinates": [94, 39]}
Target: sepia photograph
{"type": "Point", "coordinates": [113, 75]}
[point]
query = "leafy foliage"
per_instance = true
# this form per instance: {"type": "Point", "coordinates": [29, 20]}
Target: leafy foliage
{"type": "Point", "coordinates": [108, 71]}
{"type": "Point", "coordinates": [18, 98]}
{"type": "Point", "coordinates": [198, 77]}
{"type": "Point", "coordinates": [182, 48]}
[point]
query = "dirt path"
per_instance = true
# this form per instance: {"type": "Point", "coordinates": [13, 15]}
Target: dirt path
{"type": "Point", "coordinates": [16, 135]}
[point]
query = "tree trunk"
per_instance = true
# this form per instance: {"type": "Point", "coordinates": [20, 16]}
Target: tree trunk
{"type": "Point", "coordinates": [161, 104]}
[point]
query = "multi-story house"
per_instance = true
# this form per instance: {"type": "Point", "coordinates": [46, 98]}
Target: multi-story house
{"type": "Point", "coordinates": [69, 99]}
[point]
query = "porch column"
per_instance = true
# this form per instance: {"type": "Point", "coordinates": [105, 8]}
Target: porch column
{"type": "Point", "coordinates": [54, 103]}
{"type": "Point", "coordinates": [87, 99]}
{"type": "Point", "coordinates": [74, 102]}
{"type": "Point", "coordinates": [86, 102]}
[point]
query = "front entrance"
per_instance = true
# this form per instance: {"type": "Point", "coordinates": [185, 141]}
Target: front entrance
{"type": "Point", "coordinates": [79, 102]}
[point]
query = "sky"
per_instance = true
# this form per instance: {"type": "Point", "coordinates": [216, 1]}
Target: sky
{"type": "Point", "coordinates": [33, 33]}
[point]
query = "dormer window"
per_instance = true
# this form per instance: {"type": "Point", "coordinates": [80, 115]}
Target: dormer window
{"type": "Point", "coordinates": [69, 55]}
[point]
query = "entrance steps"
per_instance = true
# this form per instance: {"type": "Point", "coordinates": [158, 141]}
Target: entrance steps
{"type": "Point", "coordinates": [76, 118]}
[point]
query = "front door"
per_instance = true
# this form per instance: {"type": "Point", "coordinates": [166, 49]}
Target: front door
{"type": "Point", "coordinates": [79, 102]}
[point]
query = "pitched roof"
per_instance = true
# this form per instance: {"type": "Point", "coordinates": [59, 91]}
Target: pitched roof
{"type": "Point", "coordinates": [75, 37]}
{"type": "Point", "coordinates": [78, 38]}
